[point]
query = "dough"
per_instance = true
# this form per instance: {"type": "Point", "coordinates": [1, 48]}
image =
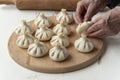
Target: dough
{"type": "Point", "coordinates": [83, 27]}
{"type": "Point", "coordinates": [62, 39]}
{"type": "Point", "coordinates": [62, 28]}
{"type": "Point", "coordinates": [44, 33]}
{"type": "Point", "coordinates": [83, 44]}
{"type": "Point", "coordinates": [63, 15]}
{"type": "Point", "coordinates": [58, 53]}
{"type": "Point", "coordinates": [25, 40]}
{"type": "Point", "coordinates": [42, 19]}
{"type": "Point", "coordinates": [37, 49]}
{"type": "Point", "coordinates": [25, 28]}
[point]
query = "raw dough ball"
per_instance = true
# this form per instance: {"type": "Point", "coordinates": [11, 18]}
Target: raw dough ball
{"type": "Point", "coordinates": [83, 27]}
{"type": "Point", "coordinates": [83, 44]}
{"type": "Point", "coordinates": [62, 39]}
{"type": "Point", "coordinates": [25, 40]}
{"type": "Point", "coordinates": [42, 19]}
{"type": "Point", "coordinates": [37, 49]}
{"type": "Point", "coordinates": [58, 53]}
{"type": "Point", "coordinates": [63, 15]}
{"type": "Point", "coordinates": [25, 28]}
{"type": "Point", "coordinates": [62, 28]}
{"type": "Point", "coordinates": [44, 33]}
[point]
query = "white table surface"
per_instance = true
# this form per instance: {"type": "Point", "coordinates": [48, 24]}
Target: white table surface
{"type": "Point", "coordinates": [10, 17]}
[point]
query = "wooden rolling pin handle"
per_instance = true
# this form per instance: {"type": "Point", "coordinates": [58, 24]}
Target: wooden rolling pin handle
{"type": "Point", "coordinates": [7, 1]}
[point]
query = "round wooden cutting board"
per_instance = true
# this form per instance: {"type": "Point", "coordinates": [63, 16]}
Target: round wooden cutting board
{"type": "Point", "coordinates": [75, 61]}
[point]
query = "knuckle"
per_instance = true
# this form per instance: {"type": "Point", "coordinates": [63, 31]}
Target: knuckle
{"type": "Point", "coordinates": [102, 21]}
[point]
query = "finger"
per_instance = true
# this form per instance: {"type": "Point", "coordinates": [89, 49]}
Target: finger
{"type": "Point", "coordinates": [96, 34]}
{"type": "Point", "coordinates": [90, 12]}
{"type": "Point", "coordinates": [95, 27]}
{"type": "Point", "coordinates": [76, 19]}
{"type": "Point", "coordinates": [78, 14]}
{"type": "Point", "coordinates": [102, 36]}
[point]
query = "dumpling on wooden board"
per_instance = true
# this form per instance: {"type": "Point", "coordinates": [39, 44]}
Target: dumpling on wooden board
{"type": "Point", "coordinates": [25, 40]}
{"type": "Point", "coordinates": [44, 33]}
{"type": "Point", "coordinates": [64, 15]}
{"type": "Point", "coordinates": [25, 28]}
{"type": "Point", "coordinates": [83, 44]}
{"type": "Point", "coordinates": [42, 19]}
{"type": "Point", "coordinates": [37, 49]}
{"type": "Point", "coordinates": [58, 53]}
{"type": "Point", "coordinates": [62, 39]}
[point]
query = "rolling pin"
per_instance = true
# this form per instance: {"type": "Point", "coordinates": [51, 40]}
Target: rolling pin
{"type": "Point", "coordinates": [42, 4]}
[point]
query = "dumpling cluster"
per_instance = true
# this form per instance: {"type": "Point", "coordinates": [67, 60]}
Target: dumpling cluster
{"type": "Point", "coordinates": [42, 19]}
{"type": "Point", "coordinates": [62, 27]}
{"type": "Point", "coordinates": [64, 15]}
{"type": "Point", "coordinates": [83, 44]}
{"type": "Point", "coordinates": [25, 40]}
{"type": "Point", "coordinates": [25, 28]}
{"type": "Point", "coordinates": [33, 39]}
{"type": "Point", "coordinates": [44, 33]}
{"type": "Point", "coordinates": [37, 49]}
{"type": "Point", "coordinates": [58, 53]}
{"type": "Point", "coordinates": [62, 39]}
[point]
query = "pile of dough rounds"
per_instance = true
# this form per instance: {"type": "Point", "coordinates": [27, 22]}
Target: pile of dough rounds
{"type": "Point", "coordinates": [83, 44]}
{"type": "Point", "coordinates": [34, 39]}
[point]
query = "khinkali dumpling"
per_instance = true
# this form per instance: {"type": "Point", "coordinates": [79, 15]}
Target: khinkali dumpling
{"type": "Point", "coordinates": [25, 40]}
{"type": "Point", "coordinates": [58, 53]}
{"type": "Point", "coordinates": [83, 27]}
{"type": "Point", "coordinates": [44, 33]}
{"type": "Point", "coordinates": [63, 15]}
{"type": "Point", "coordinates": [83, 44]}
{"type": "Point", "coordinates": [37, 49]}
{"type": "Point", "coordinates": [62, 27]}
{"type": "Point", "coordinates": [25, 28]}
{"type": "Point", "coordinates": [42, 19]}
{"type": "Point", "coordinates": [62, 39]}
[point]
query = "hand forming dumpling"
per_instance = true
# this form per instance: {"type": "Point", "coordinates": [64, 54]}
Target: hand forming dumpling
{"type": "Point", "coordinates": [37, 49]}
{"type": "Point", "coordinates": [83, 27]}
{"type": "Point", "coordinates": [25, 40]}
{"type": "Point", "coordinates": [44, 33]}
{"type": "Point", "coordinates": [42, 19]}
{"type": "Point", "coordinates": [58, 53]}
{"type": "Point", "coordinates": [62, 39]}
{"type": "Point", "coordinates": [63, 15]}
{"type": "Point", "coordinates": [25, 28]}
{"type": "Point", "coordinates": [83, 44]}
{"type": "Point", "coordinates": [62, 28]}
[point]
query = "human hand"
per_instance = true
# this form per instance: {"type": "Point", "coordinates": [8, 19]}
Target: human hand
{"type": "Point", "coordinates": [106, 25]}
{"type": "Point", "coordinates": [88, 8]}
